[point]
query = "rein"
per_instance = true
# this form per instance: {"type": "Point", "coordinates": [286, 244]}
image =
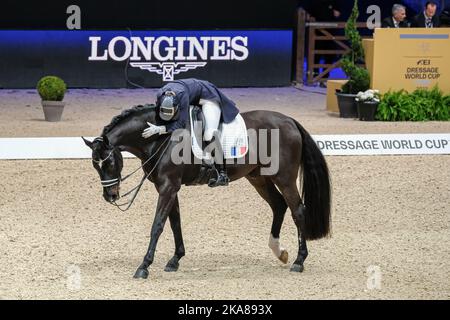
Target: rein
{"type": "Point", "coordinates": [136, 189]}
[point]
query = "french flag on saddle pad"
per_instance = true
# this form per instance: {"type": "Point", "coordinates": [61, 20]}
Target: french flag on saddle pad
{"type": "Point", "coordinates": [238, 151]}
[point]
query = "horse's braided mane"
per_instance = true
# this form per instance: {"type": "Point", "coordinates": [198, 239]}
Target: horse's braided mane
{"type": "Point", "coordinates": [125, 114]}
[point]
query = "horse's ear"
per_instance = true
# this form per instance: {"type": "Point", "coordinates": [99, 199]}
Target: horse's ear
{"type": "Point", "coordinates": [87, 142]}
{"type": "Point", "coordinates": [105, 140]}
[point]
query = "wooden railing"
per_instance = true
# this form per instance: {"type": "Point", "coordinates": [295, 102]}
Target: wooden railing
{"type": "Point", "coordinates": [318, 31]}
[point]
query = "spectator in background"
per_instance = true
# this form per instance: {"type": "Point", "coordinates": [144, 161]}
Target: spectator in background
{"type": "Point", "coordinates": [445, 17]}
{"type": "Point", "coordinates": [398, 18]}
{"type": "Point", "coordinates": [323, 11]}
{"type": "Point", "coordinates": [428, 18]}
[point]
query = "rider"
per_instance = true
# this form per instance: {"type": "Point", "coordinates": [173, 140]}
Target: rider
{"type": "Point", "coordinates": [174, 100]}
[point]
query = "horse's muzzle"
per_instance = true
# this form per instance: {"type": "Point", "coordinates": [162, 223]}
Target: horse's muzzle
{"type": "Point", "coordinates": [111, 194]}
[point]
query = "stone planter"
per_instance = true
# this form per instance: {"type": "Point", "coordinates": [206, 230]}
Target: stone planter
{"type": "Point", "coordinates": [347, 105]}
{"type": "Point", "coordinates": [53, 110]}
{"type": "Point", "coordinates": [367, 110]}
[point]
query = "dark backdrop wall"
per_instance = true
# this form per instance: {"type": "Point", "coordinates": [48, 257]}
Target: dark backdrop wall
{"type": "Point", "coordinates": [141, 14]}
{"type": "Point", "coordinates": [173, 14]}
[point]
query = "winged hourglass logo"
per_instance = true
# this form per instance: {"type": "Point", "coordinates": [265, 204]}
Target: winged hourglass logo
{"type": "Point", "coordinates": [168, 69]}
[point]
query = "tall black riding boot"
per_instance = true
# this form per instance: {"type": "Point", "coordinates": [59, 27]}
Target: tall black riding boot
{"type": "Point", "coordinates": [219, 165]}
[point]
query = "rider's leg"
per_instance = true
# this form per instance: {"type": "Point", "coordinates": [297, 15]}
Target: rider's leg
{"type": "Point", "coordinates": [219, 163]}
{"type": "Point", "coordinates": [211, 111]}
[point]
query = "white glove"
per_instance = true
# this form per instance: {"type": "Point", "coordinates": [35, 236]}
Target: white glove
{"type": "Point", "coordinates": [152, 129]}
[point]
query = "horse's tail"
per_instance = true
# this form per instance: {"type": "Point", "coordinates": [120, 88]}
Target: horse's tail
{"type": "Point", "coordinates": [316, 190]}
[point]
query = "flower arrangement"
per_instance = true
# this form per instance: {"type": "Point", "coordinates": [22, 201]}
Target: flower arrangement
{"type": "Point", "coordinates": [368, 96]}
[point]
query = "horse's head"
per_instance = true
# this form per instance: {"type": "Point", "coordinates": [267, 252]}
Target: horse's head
{"type": "Point", "coordinates": [108, 162]}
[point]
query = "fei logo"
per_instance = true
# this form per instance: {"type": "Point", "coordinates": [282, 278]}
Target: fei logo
{"type": "Point", "coordinates": [169, 56]}
{"type": "Point", "coordinates": [424, 62]}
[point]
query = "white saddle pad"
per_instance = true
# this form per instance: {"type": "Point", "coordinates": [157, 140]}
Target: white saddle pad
{"type": "Point", "coordinates": [233, 139]}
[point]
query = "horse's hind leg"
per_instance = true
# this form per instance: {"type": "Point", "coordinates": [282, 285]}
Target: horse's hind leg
{"type": "Point", "coordinates": [175, 224]}
{"type": "Point", "coordinates": [299, 219]}
{"type": "Point", "coordinates": [293, 199]}
{"type": "Point", "coordinates": [269, 192]}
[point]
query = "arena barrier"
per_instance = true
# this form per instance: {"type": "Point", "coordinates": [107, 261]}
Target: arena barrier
{"type": "Point", "coordinates": [331, 145]}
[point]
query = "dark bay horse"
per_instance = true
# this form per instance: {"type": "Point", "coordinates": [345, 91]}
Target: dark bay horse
{"type": "Point", "coordinates": [298, 156]}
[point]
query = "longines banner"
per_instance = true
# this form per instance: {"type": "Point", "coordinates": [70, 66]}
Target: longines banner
{"type": "Point", "coordinates": [116, 59]}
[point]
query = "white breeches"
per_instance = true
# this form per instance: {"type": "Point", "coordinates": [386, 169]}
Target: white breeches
{"type": "Point", "coordinates": [211, 111]}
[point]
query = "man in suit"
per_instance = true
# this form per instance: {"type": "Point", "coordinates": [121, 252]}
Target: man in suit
{"type": "Point", "coordinates": [428, 18]}
{"type": "Point", "coordinates": [398, 18]}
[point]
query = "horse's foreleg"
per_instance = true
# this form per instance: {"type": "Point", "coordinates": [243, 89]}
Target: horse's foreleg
{"type": "Point", "coordinates": [175, 224]}
{"type": "Point", "coordinates": [166, 201]}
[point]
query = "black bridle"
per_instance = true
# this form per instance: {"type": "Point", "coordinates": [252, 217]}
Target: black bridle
{"type": "Point", "coordinates": [112, 182]}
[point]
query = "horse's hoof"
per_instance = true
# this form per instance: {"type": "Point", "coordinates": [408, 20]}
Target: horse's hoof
{"type": "Point", "coordinates": [171, 268]}
{"type": "Point", "coordinates": [284, 256]}
{"type": "Point", "coordinates": [172, 265]}
{"type": "Point", "coordinates": [141, 274]}
{"type": "Point", "coordinates": [297, 268]}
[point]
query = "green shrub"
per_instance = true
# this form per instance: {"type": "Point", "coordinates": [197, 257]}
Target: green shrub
{"type": "Point", "coordinates": [420, 105]}
{"type": "Point", "coordinates": [51, 88]}
{"type": "Point", "coordinates": [358, 77]}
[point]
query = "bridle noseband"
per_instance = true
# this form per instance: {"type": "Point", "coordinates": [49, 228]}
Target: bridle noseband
{"type": "Point", "coordinates": [110, 183]}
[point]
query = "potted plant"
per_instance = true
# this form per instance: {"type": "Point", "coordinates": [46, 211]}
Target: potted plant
{"type": "Point", "coordinates": [52, 89]}
{"type": "Point", "coordinates": [367, 104]}
{"type": "Point", "coordinates": [358, 77]}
